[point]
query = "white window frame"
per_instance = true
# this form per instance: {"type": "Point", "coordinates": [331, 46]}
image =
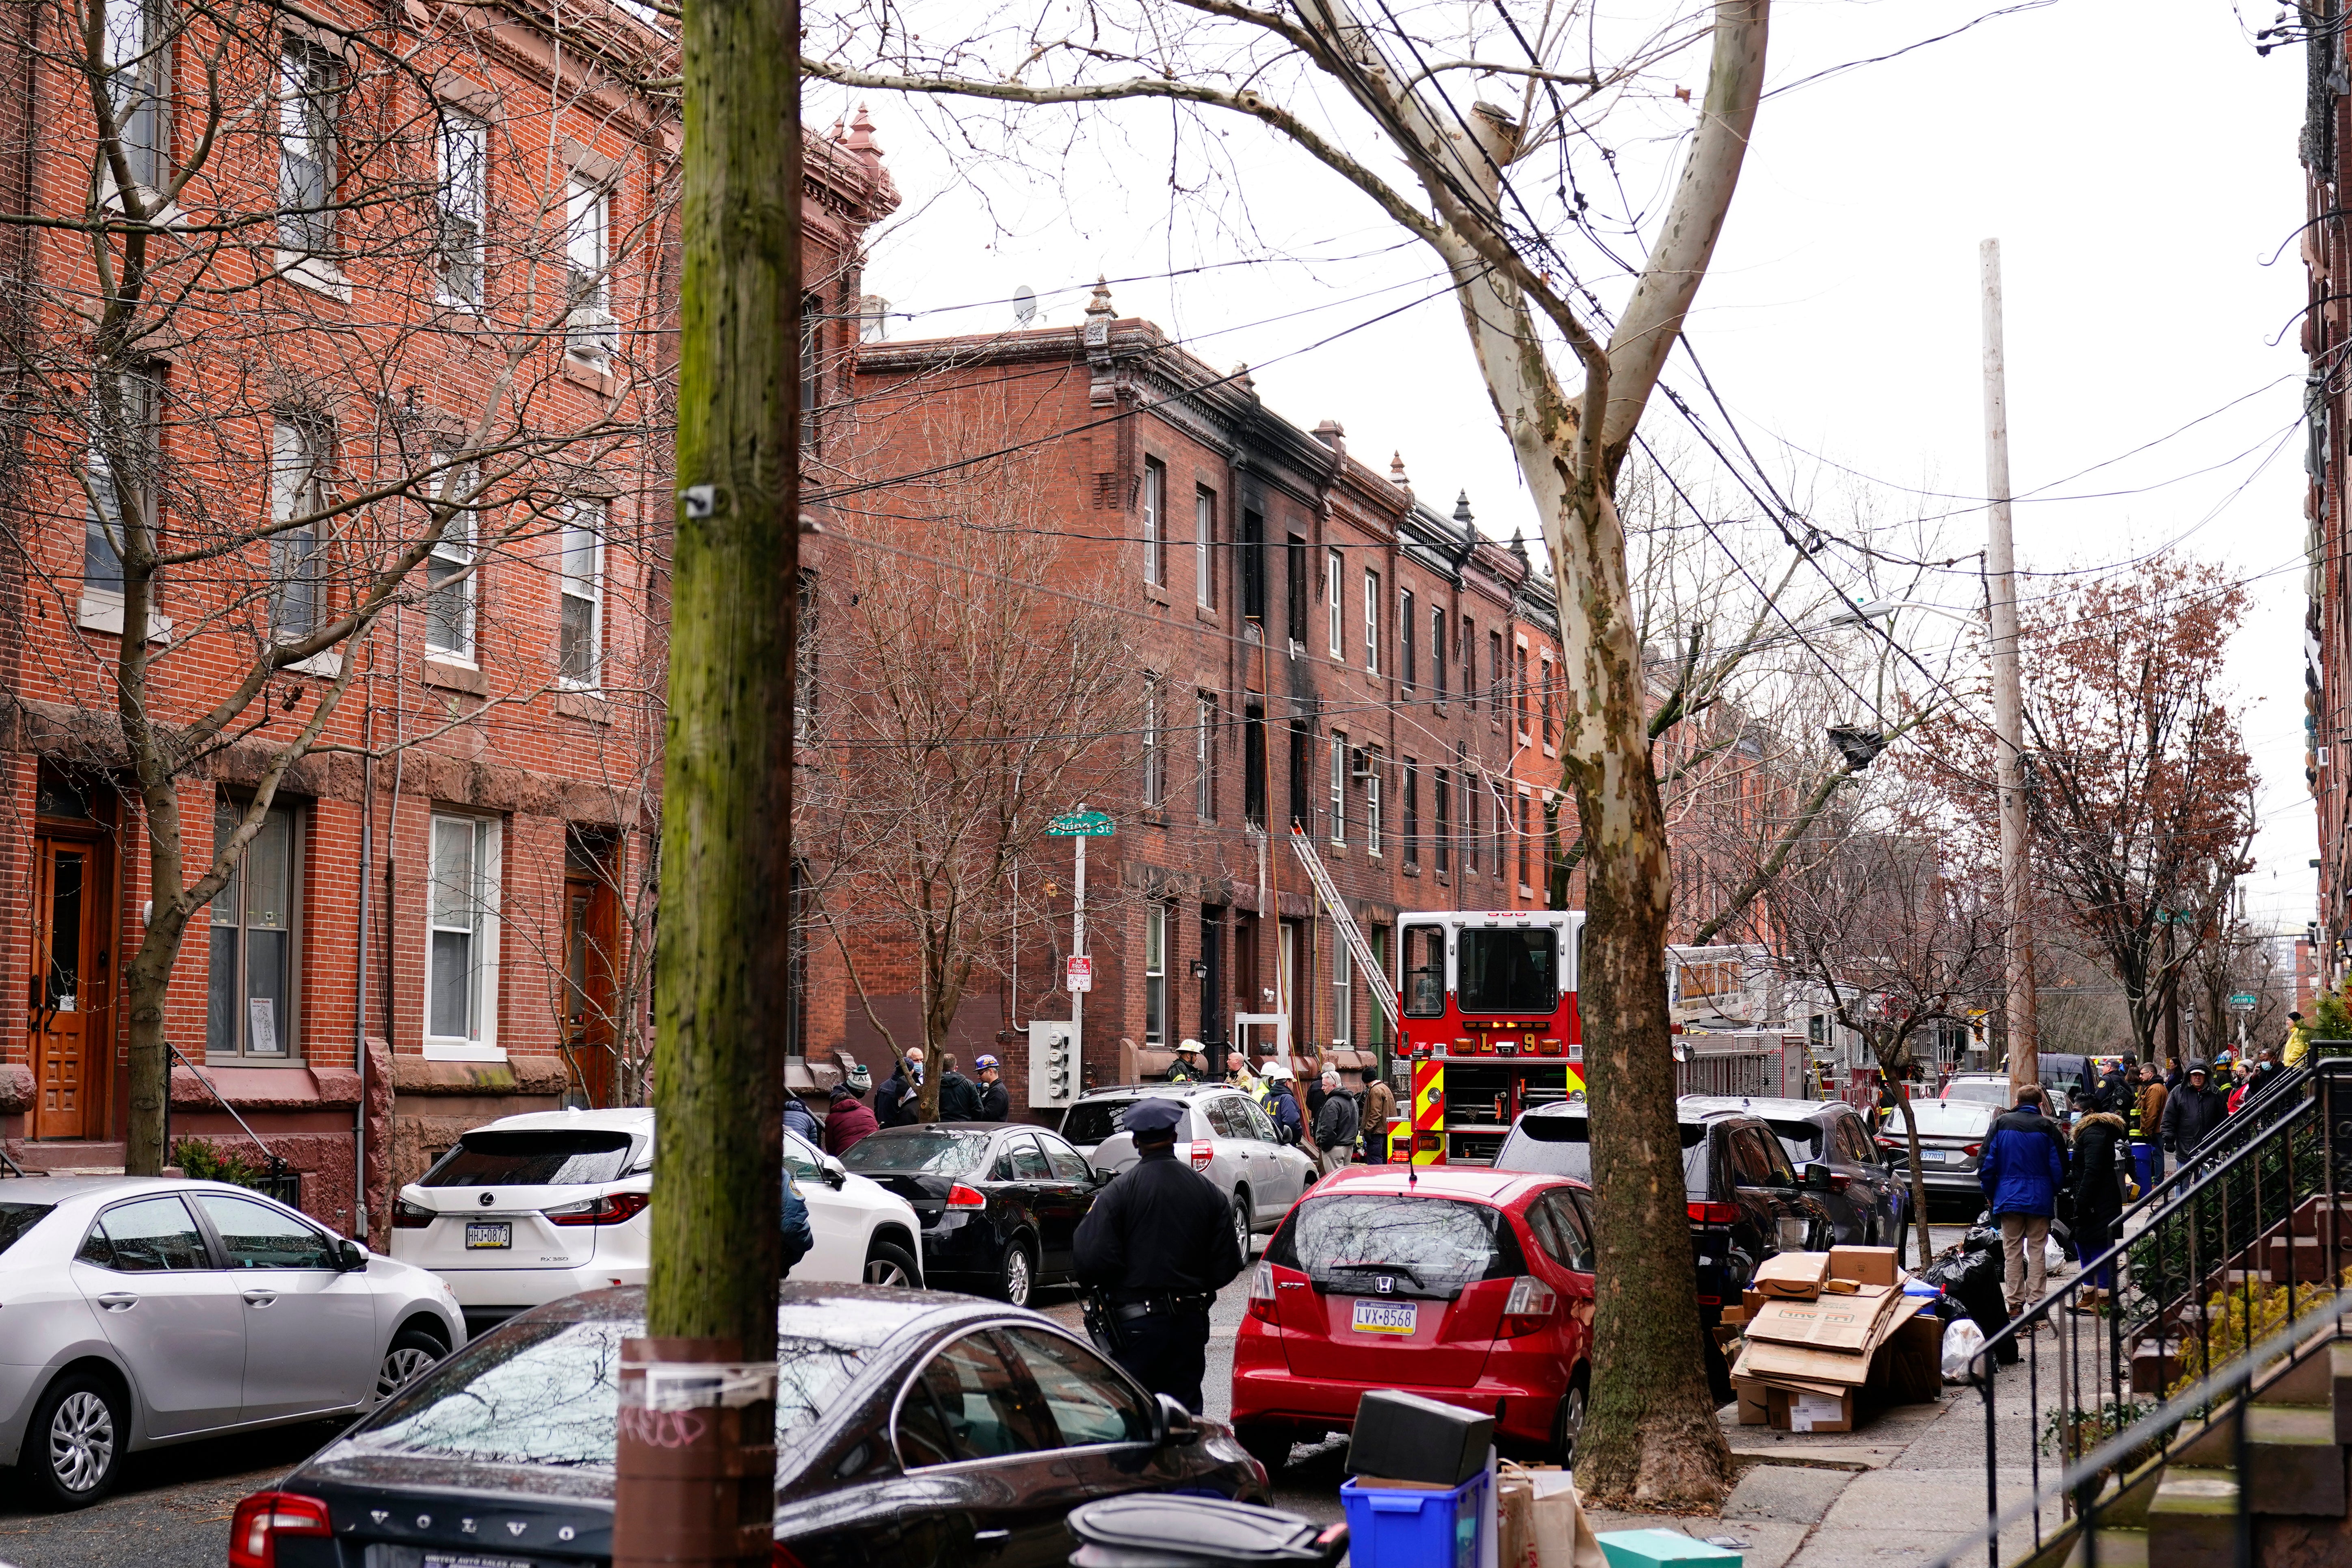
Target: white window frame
{"type": "Point", "coordinates": [1406, 673]}
{"type": "Point", "coordinates": [1338, 798]}
{"type": "Point", "coordinates": [461, 199]}
{"type": "Point", "coordinates": [1371, 622]}
{"type": "Point", "coordinates": [1204, 759]}
{"type": "Point", "coordinates": [234, 900]}
{"type": "Point", "coordinates": [1155, 509]}
{"type": "Point", "coordinates": [308, 105]}
{"type": "Point", "coordinates": [1204, 552]}
{"type": "Point", "coordinates": [479, 1042]}
{"type": "Point", "coordinates": [589, 335]}
{"type": "Point", "coordinates": [1334, 575]}
{"type": "Point", "coordinates": [580, 576]}
{"type": "Point", "coordinates": [138, 48]}
{"type": "Point", "coordinates": [295, 459]}
{"type": "Point", "coordinates": [1155, 754]}
{"type": "Point", "coordinates": [453, 556]}
{"type": "Point", "coordinates": [1343, 1005]}
{"type": "Point", "coordinates": [1155, 974]}
{"type": "Point", "coordinates": [1371, 800]}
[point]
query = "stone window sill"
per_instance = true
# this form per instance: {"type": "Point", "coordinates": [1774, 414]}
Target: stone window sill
{"type": "Point", "coordinates": [592, 376]}
{"type": "Point", "coordinates": [452, 677]}
{"type": "Point", "coordinates": [461, 1051]}
{"type": "Point", "coordinates": [589, 705]}
{"type": "Point", "coordinates": [100, 611]}
{"type": "Point", "coordinates": [314, 273]}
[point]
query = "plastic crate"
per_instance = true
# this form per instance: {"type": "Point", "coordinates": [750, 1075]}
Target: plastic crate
{"type": "Point", "coordinates": [1400, 1527]}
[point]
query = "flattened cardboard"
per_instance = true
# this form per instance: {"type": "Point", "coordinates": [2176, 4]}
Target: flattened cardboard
{"type": "Point", "coordinates": [1792, 1274]}
{"type": "Point", "coordinates": [1848, 1323]}
{"type": "Point", "coordinates": [1865, 1264]}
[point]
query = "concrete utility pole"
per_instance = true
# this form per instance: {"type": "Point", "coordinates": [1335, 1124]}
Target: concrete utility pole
{"type": "Point", "coordinates": [2008, 705]}
{"type": "Point", "coordinates": [695, 1467]}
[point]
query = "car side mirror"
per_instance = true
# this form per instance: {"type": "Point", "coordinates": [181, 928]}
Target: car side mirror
{"type": "Point", "coordinates": [837, 1176]}
{"type": "Point", "coordinates": [1173, 1424]}
{"type": "Point", "coordinates": [350, 1258]}
{"type": "Point", "coordinates": [1818, 1179]}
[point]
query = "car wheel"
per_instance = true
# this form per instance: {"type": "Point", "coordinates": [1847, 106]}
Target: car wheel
{"type": "Point", "coordinates": [1269, 1446]}
{"type": "Point", "coordinates": [1016, 1274]}
{"type": "Point", "coordinates": [1242, 1221]}
{"type": "Point", "coordinates": [413, 1349]}
{"type": "Point", "coordinates": [1567, 1425]}
{"type": "Point", "coordinates": [74, 1446]}
{"type": "Point", "coordinates": [886, 1264]}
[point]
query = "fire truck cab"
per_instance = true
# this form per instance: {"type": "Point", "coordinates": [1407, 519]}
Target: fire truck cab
{"type": "Point", "coordinates": [1487, 1016]}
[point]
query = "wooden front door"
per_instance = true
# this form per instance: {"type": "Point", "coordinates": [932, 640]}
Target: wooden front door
{"type": "Point", "coordinates": [68, 983]}
{"type": "Point", "coordinates": [589, 985]}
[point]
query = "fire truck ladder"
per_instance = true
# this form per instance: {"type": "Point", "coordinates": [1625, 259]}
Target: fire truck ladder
{"type": "Point", "coordinates": [1382, 992]}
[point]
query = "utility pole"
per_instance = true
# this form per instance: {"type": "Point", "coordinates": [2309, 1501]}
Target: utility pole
{"type": "Point", "coordinates": [2008, 705]}
{"type": "Point", "coordinates": [694, 1469]}
{"type": "Point", "coordinates": [1078, 947]}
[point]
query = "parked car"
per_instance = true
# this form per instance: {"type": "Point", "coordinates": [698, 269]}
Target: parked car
{"type": "Point", "coordinates": [137, 1311]}
{"type": "Point", "coordinates": [1746, 1202]}
{"type": "Point", "coordinates": [910, 1429]}
{"type": "Point", "coordinates": [1952, 1134]}
{"type": "Point", "coordinates": [1469, 1286]}
{"type": "Point", "coordinates": [1866, 1201]}
{"type": "Point", "coordinates": [999, 1201]}
{"type": "Point", "coordinates": [1992, 1089]}
{"type": "Point", "coordinates": [529, 1209]}
{"type": "Point", "coordinates": [1232, 1141]}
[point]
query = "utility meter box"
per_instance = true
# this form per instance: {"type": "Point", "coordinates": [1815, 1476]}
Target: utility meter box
{"type": "Point", "coordinates": [1053, 1063]}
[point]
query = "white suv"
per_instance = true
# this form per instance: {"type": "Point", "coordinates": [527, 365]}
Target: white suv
{"type": "Point", "coordinates": [529, 1209]}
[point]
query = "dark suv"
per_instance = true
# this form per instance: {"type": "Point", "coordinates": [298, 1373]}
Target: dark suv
{"type": "Point", "coordinates": [1745, 1202]}
{"type": "Point", "coordinates": [1866, 1198]}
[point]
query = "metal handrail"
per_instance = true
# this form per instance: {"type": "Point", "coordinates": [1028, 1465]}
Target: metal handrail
{"type": "Point", "coordinates": [277, 1165]}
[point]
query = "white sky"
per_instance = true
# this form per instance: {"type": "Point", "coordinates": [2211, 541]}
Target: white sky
{"type": "Point", "coordinates": [2138, 165]}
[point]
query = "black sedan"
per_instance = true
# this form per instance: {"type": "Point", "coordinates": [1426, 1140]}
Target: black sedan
{"type": "Point", "coordinates": [999, 1201]}
{"type": "Point", "coordinates": [911, 1428]}
{"type": "Point", "coordinates": [1866, 1194]}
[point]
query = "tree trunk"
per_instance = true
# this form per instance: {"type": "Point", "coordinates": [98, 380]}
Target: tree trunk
{"type": "Point", "coordinates": [1918, 1177]}
{"type": "Point", "coordinates": [723, 948]}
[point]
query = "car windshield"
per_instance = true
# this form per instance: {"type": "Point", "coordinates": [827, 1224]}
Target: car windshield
{"type": "Point", "coordinates": [558, 1157]}
{"type": "Point", "coordinates": [1512, 971]}
{"type": "Point", "coordinates": [15, 1219]}
{"type": "Point", "coordinates": [1426, 1246]}
{"type": "Point", "coordinates": [934, 1150]}
{"type": "Point", "coordinates": [1984, 1091]}
{"type": "Point", "coordinates": [1090, 1121]}
{"type": "Point", "coordinates": [1947, 1118]}
{"type": "Point", "coordinates": [1562, 1146]}
{"type": "Point", "coordinates": [547, 1394]}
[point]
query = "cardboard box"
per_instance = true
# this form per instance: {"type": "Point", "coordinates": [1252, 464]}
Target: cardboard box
{"type": "Point", "coordinates": [1848, 1323]}
{"type": "Point", "coordinates": [1795, 1275]}
{"type": "Point", "coordinates": [1732, 1315]}
{"type": "Point", "coordinates": [1907, 1367]}
{"type": "Point", "coordinates": [1754, 1400]}
{"type": "Point", "coordinates": [1865, 1264]}
{"type": "Point", "coordinates": [1750, 1300]}
{"type": "Point", "coordinates": [1791, 1411]}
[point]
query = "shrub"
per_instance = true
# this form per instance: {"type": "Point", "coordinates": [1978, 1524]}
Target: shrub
{"type": "Point", "coordinates": [204, 1161]}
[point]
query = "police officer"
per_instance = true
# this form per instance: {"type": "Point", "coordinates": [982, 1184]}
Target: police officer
{"type": "Point", "coordinates": [1156, 1247]}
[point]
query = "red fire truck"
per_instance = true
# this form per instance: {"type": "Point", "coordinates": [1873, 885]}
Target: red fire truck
{"type": "Point", "coordinates": [1488, 1000]}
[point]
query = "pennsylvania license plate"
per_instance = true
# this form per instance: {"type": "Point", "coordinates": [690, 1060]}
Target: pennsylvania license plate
{"type": "Point", "coordinates": [1933, 1156]}
{"type": "Point", "coordinates": [480, 1234]}
{"type": "Point", "coordinates": [462, 1560]}
{"type": "Point", "coordinates": [1385, 1317]}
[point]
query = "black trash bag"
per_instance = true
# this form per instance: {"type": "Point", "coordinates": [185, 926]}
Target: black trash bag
{"type": "Point", "coordinates": [1970, 1275]}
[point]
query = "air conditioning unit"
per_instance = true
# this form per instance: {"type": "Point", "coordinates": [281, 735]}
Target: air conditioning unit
{"type": "Point", "coordinates": [1359, 762]}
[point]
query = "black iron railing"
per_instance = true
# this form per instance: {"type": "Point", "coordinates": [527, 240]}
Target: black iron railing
{"type": "Point", "coordinates": [2256, 1233]}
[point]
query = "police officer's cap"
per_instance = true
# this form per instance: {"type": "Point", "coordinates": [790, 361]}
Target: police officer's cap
{"type": "Point", "coordinates": [1154, 1117]}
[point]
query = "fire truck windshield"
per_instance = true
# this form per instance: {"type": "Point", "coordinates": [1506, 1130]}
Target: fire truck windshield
{"type": "Point", "coordinates": [1509, 971]}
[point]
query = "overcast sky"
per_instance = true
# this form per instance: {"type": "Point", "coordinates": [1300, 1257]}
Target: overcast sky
{"type": "Point", "coordinates": [2137, 164]}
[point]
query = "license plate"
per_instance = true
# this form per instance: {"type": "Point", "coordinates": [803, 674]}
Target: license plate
{"type": "Point", "coordinates": [1385, 1317]}
{"type": "Point", "coordinates": [480, 1234]}
{"type": "Point", "coordinates": [464, 1560]}
{"type": "Point", "coordinates": [1933, 1156]}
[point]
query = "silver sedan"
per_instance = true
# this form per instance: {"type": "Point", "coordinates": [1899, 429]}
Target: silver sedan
{"type": "Point", "coordinates": [1226, 1135]}
{"type": "Point", "coordinates": [140, 1311]}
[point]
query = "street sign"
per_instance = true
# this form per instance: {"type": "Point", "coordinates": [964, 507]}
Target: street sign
{"type": "Point", "coordinates": [2244, 1002]}
{"type": "Point", "coordinates": [1081, 824]}
{"type": "Point", "coordinates": [1080, 974]}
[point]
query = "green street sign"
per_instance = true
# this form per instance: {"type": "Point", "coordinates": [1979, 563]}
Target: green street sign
{"type": "Point", "coordinates": [2243, 1001]}
{"type": "Point", "coordinates": [1081, 824]}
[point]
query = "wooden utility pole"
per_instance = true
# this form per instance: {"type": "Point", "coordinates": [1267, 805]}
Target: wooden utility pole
{"type": "Point", "coordinates": [2008, 704]}
{"type": "Point", "coordinates": [695, 1465]}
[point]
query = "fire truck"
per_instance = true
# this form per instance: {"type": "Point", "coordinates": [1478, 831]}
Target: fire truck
{"type": "Point", "coordinates": [1487, 1016]}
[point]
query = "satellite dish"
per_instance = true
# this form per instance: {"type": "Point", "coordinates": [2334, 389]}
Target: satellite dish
{"type": "Point", "coordinates": [1024, 304]}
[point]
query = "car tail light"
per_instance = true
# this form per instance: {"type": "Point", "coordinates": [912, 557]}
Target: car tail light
{"type": "Point", "coordinates": [1202, 1152]}
{"type": "Point", "coordinates": [1714, 1213]}
{"type": "Point", "coordinates": [963, 1197]}
{"type": "Point", "coordinates": [406, 1215]}
{"type": "Point", "coordinates": [1971, 1149]}
{"type": "Point", "coordinates": [1529, 1307]}
{"type": "Point", "coordinates": [262, 1517]}
{"type": "Point", "coordinates": [1261, 1296]}
{"type": "Point", "coordinates": [611, 1209]}
{"type": "Point", "coordinates": [1886, 1142]}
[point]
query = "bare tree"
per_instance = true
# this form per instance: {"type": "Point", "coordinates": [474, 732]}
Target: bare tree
{"type": "Point", "coordinates": [1386, 84]}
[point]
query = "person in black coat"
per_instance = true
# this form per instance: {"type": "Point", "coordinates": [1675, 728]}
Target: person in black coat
{"type": "Point", "coordinates": [1157, 1245]}
{"type": "Point", "coordinates": [959, 1096]}
{"type": "Point", "coordinates": [2096, 1176]}
{"type": "Point", "coordinates": [995, 1099]}
{"type": "Point", "coordinates": [2192, 1112]}
{"type": "Point", "coordinates": [894, 1102]}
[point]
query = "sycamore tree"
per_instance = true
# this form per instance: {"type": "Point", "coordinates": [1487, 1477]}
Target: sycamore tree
{"type": "Point", "coordinates": [1389, 108]}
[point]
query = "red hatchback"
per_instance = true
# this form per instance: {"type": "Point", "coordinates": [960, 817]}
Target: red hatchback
{"type": "Point", "coordinates": [1469, 1286]}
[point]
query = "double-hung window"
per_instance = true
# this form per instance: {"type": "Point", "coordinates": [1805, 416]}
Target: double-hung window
{"type": "Point", "coordinates": [1343, 1008]}
{"type": "Point", "coordinates": [1334, 611]}
{"type": "Point", "coordinates": [1155, 974]}
{"type": "Point", "coordinates": [1543, 699]}
{"type": "Point", "coordinates": [1204, 548]}
{"type": "Point", "coordinates": [138, 57]}
{"type": "Point", "coordinates": [464, 158]}
{"type": "Point", "coordinates": [1204, 759]}
{"type": "Point", "coordinates": [449, 574]}
{"type": "Point", "coordinates": [1405, 672]}
{"type": "Point", "coordinates": [297, 563]}
{"type": "Point", "coordinates": [310, 85]}
{"type": "Point", "coordinates": [580, 651]}
{"type": "Point", "coordinates": [125, 459]}
{"type": "Point", "coordinates": [461, 959]}
{"type": "Point", "coordinates": [587, 258]}
{"type": "Point", "coordinates": [1155, 753]}
{"type": "Point", "coordinates": [250, 1001]}
{"type": "Point", "coordinates": [1155, 522]}
{"type": "Point", "coordinates": [1339, 802]}
{"type": "Point", "coordinates": [1372, 622]}
{"type": "Point", "coordinates": [1371, 801]}
{"type": "Point", "coordinates": [1441, 826]}
{"type": "Point", "coordinates": [1411, 812]}
{"type": "Point", "coordinates": [1437, 652]}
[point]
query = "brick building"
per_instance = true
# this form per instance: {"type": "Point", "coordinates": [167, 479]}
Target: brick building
{"type": "Point", "coordinates": [448, 279]}
{"type": "Point", "coordinates": [1316, 644]}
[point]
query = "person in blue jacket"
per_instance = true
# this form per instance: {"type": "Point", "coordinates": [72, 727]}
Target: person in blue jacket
{"type": "Point", "coordinates": [1288, 1124]}
{"type": "Point", "coordinates": [2023, 1166]}
{"type": "Point", "coordinates": [798, 1235]}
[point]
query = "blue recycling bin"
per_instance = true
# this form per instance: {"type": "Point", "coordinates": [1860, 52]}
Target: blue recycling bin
{"type": "Point", "coordinates": [1415, 1527]}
